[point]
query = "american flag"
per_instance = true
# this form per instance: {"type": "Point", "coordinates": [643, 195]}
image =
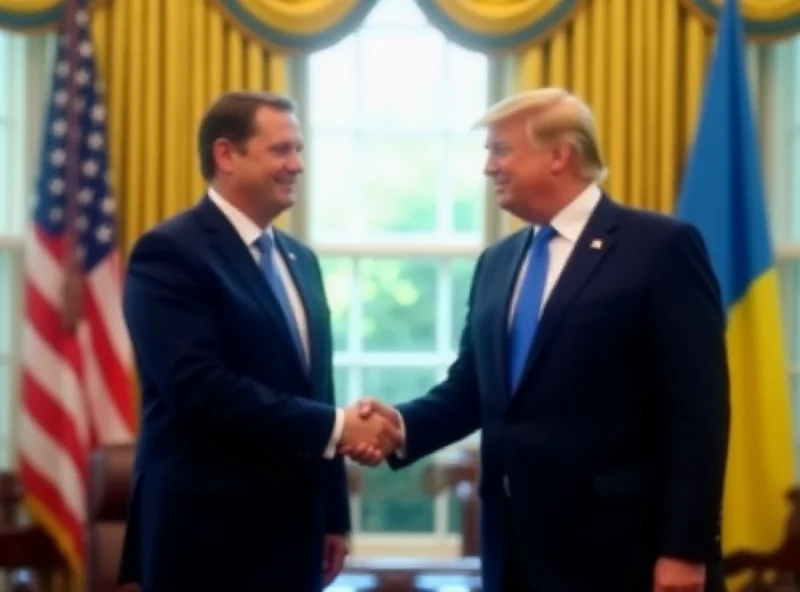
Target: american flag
{"type": "Point", "coordinates": [76, 362]}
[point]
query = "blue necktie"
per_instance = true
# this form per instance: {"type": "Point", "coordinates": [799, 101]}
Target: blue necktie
{"type": "Point", "coordinates": [529, 303]}
{"type": "Point", "coordinates": [265, 245]}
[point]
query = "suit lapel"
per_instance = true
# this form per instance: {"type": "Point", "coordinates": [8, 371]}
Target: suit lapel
{"type": "Point", "coordinates": [229, 244]}
{"type": "Point", "coordinates": [593, 246]}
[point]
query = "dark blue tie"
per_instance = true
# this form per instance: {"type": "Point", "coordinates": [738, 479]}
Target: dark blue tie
{"type": "Point", "coordinates": [529, 303]}
{"type": "Point", "coordinates": [266, 245]}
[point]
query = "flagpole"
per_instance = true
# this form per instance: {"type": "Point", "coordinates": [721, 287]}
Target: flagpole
{"type": "Point", "coordinates": [72, 262]}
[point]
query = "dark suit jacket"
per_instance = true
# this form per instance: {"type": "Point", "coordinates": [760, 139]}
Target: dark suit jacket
{"type": "Point", "coordinates": [614, 445]}
{"type": "Point", "coordinates": [230, 491]}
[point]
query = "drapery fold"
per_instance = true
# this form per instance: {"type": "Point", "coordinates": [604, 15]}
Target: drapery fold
{"type": "Point", "coordinates": [765, 20]}
{"type": "Point", "coordinates": [497, 26]}
{"type": "Point", "coordinates": [33, 15]}
{"type": "Point", "coordinates": [296, 25]}
{"type": "Point", "coordinates": [491, 26]}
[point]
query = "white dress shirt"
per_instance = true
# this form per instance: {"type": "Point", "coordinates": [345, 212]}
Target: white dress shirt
{"type": "Point", "coordinates": [568, 224]}
{"type": "Point", "coordinates": [249, 232]}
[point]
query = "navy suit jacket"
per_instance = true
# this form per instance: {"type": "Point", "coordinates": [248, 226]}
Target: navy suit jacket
{"type": "Point", "coordinates": [230, 490]}
{"type": "Point", "coordinates": [613, 447]}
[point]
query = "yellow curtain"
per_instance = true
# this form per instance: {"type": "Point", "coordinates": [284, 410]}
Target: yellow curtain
{"type": "Point", "coordinates": [162, 64]}
{"type": "Point", "coordinates": [640, 66]}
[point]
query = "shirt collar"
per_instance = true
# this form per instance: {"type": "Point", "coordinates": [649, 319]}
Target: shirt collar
{"type": "Point", "coordinates": [571, 220]}
{"type": "Point", "coordinates": [248, 230]}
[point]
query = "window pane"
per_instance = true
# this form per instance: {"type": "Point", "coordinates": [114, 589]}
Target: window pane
{"type": "Point", "coordinates": [5, 78]}
{"type": "Point", "coordinates": [461, 278]}
{"type": "Point", "coordinates": [341, 384]}
{"type": "Point", "coordinates": [466, 182]}
{"type": "Point", "coordinates": [395, 13]}
{"type": "Point", "coordinates": [397, 385]}
{"type": "Point", "coordinates": [399, 302]}
{"type": "Point", "coordinates": [468, 87]}
{"type": "Point", "coordinates": [9, 301]}
{"type": "Point", "coordinates": [796, 82]}
{"type": "Point", "coordinates": [331, 185]}
{"type": "Point", "coordinates": [394, 501]}
{"type": "Point", "coordinates": [400, 180]}
{"type": "Point", "coordinates": [8, 207]}
{"type": "Point", "coordinates": [402, 79]}
{"type": "Point", "coordinates": [6, 400]}
{"type": "Point", "coordinates": [794, 188]}
{"type": "Point", "coordinates": [455, 511]}
{"type": "Point", "coordinates": [333, 103]}
{"type": "Point", "coordinates": [337, 273]}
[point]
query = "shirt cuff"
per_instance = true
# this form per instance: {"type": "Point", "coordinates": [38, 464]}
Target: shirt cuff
{"type": "Point", "coordinates": [336, 435]}
{"type": "Point", "coordinates": [400, 452]}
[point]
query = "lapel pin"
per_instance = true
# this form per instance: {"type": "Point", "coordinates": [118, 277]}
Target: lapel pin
{"type": "Point", "coordinates": [291, 256]}
{"type": "Point", "coordinates": [596, 244]}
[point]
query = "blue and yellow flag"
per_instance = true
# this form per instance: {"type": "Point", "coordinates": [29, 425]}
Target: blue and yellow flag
{"type": "Point", "coordinates": [723, 196]}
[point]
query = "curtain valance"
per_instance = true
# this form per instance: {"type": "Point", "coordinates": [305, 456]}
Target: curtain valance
{"type": "Point", "coordinates": [765, 20]}
{"type": "Point", "coordinates": [492, 26]}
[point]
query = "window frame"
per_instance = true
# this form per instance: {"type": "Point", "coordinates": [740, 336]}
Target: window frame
{"type": "Point", "coordinates": [440, 543]}
{"type": "Point", "coordinates": [28, 63]}
{"type": "Point", "coordinates": [775, 73]}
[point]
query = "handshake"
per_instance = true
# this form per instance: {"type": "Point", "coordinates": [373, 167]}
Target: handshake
{"type": "Point", "coordinates": [372, 431]}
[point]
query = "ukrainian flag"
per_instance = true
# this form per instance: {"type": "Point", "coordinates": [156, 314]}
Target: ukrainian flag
{"type": "Point", "coordinates": [722, 195]}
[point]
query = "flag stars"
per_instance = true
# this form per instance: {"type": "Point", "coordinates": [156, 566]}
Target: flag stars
{"type": "Point", "coordinates": [59, 128]}
{"type": "Point", "coordinates": [98, 114]}
{"type": "Point", "coordinates": [82, 77]}
{"type": "Point", "coordinates": [82, 223]}
{"type": "Point", "coordinates": [85, 196]}
{"type": "Point", "coordinates": [60, 98]}
{"type": "Point", "coordinates": [85, 49]}
{"type": "Point", "coordinates": [91, 168]}
{"type": "Point", "coordinates": [62, 69]}
{"type": "Point", "coordinates": [107, 205]}
{"type": "Point", "coordinates": [57, 186]}
{"type": "Point", "coordinates": [58, 157]}
{"type": "Point", "coordinates": [56, 215]}
{"type": "Point", "coordinates": [103, 233]}
{"type": "Point", "coordinates": [95, 141]}
{"type": "Point", "coordinates": [81, 17]}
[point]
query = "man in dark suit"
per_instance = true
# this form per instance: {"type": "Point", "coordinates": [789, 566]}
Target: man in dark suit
{"type": "Point", "coordinates": [237, 485]}
{"type": "Point", "coordinates": [605, 418]}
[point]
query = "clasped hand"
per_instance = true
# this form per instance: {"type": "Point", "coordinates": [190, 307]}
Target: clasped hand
{"type": "Point", "coordinates": [371, 432]}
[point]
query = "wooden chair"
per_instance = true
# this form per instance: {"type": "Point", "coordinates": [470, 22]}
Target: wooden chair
{"type": "Point", "coordinates": [28, 556]}
{"type": "Point", "coordinates": [778, 570]}
{"type": "Point", "coordinates": [460, 475]}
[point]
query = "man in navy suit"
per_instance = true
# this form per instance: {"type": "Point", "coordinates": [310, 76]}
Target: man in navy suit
{"type": "Point", "coordinates": [237, 485]}
{"type": "Point", "coordinates": [593, 359]}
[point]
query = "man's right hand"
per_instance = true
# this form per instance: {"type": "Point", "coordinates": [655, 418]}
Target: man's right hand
{"type": "Point", "coordinates": [363, 453]}
{"type": "Point", "coordinates": [369, 431]}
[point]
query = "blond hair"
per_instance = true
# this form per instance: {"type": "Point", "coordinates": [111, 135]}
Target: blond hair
{"type": "Point", "coordinates": [553, 114]}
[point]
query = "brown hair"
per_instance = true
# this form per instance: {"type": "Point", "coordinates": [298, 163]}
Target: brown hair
{"type": "Point", "coordinates": [231, 117]}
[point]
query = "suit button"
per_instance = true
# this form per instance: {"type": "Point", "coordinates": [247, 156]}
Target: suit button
{"type": "Point", "coordinates": [506, 486]}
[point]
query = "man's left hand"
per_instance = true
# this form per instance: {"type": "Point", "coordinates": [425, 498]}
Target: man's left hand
{"type": "Point", "coordinates": [674, 575]}
{"type": "Point", "coordinates": [335, 551]}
